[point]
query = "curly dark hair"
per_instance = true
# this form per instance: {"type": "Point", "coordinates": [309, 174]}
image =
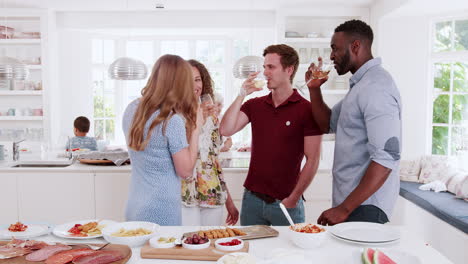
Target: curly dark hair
{"type": "Point", "coordinates": [289, 56]}
{"type": "Point", "coordinates": [82, 124]}
{"type": "Point", "coordinates": [205, 76]}
{"type": "Point", "coordinates": [358, 29]}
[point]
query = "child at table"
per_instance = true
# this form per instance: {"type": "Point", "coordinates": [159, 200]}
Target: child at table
{"type": "Point", "coordinates": [80, 140]}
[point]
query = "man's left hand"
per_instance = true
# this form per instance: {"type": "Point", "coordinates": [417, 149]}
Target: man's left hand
{"type": "Point", "coordinates": [333, 216]}
{"type": "Point", "coordinates": [289, 202]}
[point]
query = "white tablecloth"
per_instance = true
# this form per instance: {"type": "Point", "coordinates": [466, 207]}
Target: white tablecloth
{"type": "Point", "coordinates": [332, 251]}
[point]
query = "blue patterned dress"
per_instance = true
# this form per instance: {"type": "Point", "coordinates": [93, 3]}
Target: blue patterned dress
{"type": "Point", "coordinates": [155, 188]}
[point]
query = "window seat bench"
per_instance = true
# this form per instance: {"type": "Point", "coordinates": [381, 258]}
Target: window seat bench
{"type": "Point", "coordinates": [443, 205]}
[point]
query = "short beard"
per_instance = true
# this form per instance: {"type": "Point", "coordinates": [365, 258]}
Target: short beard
{"type": "Point", "coordinates": [344, 65]}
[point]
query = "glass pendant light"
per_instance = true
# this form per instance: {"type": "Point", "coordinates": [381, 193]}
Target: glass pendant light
{"type": "Point", "coordinates": [125, 68]}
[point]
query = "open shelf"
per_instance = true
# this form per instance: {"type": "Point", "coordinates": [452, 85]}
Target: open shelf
{"type": "Point", "coordinates": [20, 92]}
{"type": "Point", "coordinates": [21, 118]}
{"type": "Point", "coordinates": [20, 41]}
{"type": "Point", "coordinates": [307, 40]}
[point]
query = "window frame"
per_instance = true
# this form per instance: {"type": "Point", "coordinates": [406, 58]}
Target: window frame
{"type": "Point", "coordinates": [452, 56]}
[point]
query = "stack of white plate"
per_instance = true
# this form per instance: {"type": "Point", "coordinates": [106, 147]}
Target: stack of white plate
{"type": "Point", "coordinates": [365, 233]}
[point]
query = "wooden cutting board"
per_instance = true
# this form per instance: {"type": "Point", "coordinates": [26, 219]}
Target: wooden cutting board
{"type": "Point", "coordinates": [210, 253]}
{"type": "Point", "coordinates": [125, 250]}
{"type": "Point", "coordinates": [252, 232]}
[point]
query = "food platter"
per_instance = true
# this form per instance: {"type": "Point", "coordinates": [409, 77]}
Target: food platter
{"type": "Point", "coordinates": [99, 162]}
{"type": "Point", "coordinates": [33, 230]}
{"type": "Point", "coordinates": [62, 230]}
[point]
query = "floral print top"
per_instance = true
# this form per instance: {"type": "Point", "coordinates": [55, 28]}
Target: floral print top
{"type": "Point", "coordinates": [206, 187]}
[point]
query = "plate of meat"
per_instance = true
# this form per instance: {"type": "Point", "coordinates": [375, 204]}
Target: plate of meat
{"type": "Point", "coordinates": [23, 230]}
{"type": "Point", "coordinates": [19, 251]}
{"type": "Point", "coordinates": [82, 229]}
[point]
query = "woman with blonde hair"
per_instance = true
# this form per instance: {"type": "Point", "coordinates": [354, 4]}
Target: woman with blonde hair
{"type": "Point", "coordinates": [205, 194]}
{"type": "Point", "coordinates": [161, 128]}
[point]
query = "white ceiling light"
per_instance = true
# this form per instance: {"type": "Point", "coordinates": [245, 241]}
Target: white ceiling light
{"type": "Point", "coordinates": [126, 68]}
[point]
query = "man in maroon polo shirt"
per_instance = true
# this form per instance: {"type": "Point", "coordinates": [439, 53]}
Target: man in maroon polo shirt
{"type": "Point", "coordinates": [281, 135]}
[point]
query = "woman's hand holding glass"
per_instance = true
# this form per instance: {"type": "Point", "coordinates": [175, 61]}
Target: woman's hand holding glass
{"type": "Point", "coordinates": [209, 108]}
{"type": "Point", "coordinates": [251, 85]}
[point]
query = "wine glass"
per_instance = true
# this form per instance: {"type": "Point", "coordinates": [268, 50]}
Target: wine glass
{"type": "Point", "coordinates": [206, 100]}
{"type": "Point", "coordinates": [318, 71]}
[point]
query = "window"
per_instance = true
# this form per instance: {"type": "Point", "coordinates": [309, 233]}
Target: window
{"type": "Point", "coordinates": [450, 87]}
{"type": "Point", "coordinates": [103, 90]}
{"type": "Point", "coordinates": [217, 53]}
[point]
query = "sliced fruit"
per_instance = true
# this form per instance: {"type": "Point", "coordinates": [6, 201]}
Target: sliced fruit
{"type": "Point", "coordinates": [381, 258]}
{"type": "Point", "coordinates": [367, 256]}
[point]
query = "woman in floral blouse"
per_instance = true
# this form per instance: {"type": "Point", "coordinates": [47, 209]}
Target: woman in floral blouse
{"type": "Point", "coordinates": [205, 193]}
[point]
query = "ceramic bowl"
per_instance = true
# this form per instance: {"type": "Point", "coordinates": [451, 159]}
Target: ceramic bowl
{"type": "Point", "coordinates": [131, 241]}
{"type": "Point", "coordinates": [229, 248]}
{"type": "Point", "coordinates": [306, 240]}
{"type": "Point", "coordinates": [195, 246]}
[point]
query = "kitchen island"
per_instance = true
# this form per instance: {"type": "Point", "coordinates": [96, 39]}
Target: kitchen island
{"type": "Point", "coordinates": [281, 250]}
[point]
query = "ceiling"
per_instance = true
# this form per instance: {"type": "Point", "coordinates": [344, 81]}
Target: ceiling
{"type": "Point", "coordinates": [91, 5]}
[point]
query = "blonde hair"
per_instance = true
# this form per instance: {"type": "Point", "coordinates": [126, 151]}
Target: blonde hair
{"type": "Point", "coordinates": [169, 89]}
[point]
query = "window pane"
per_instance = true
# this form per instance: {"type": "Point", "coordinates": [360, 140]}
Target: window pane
{"type": "Point", "coordinates": [461, 35]}
{"type": "Point", "coordinates": [109, 103]}
{"type": "Point", "coordinates": [97, 55]}
{"type": "Point", "coordinates": [219, 79]}
{"type": "Point", "coordinates": [460, 77]}
{"type": "Point", "coordinates": [141, 50]}
{"type": "Point", "coordinates": [442, 76]}
{"type": "Point", "coordinates": [176, 47]}
{"type": "Point", "coordinates": [110, 130]}
{"type": "Point", "coordinates": [439, 140]}
{"type": "Point", "coordinates": [460, 109]}
{"type": "Point", "coordinates": [443, 36]}
{"type": "Point", "coordinates": [133, 89]}
{"type": "Point", "coordinates": [202, 51]}
{"type": "Point", "coordinates": [241, 48]}
{"type": "Point", "coordinates": [459, 139]}
{"type": "Point", "coordinates": [98, 93]}
{"type": "Point", "coordinates": [210, 51]}
{"type": "Point", "coordinates": [440, 112]}
{"type": "Point", "coordinates": [99, 129]}
{"type": "Point", "coordinates": [109, 51]}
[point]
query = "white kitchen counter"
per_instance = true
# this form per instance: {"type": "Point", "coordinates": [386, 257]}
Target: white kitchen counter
{"type": "Point", "coordinates": [333, 251]}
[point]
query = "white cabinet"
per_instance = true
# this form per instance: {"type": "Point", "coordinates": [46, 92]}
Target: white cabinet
{"type": "Point", "coordinates": [56, 197]}
{"type": "Point", "coordinates": [8, 196]}
{"type": "Point", "coordinates": [111, 195]}
{"type": "Point", "coordinates": [23, 37]}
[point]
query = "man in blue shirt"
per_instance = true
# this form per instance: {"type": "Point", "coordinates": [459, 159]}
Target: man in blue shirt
{"type": "Point", "coordinates": [367, 124]}
{"type": "Point", "coordinates": [81, 141]}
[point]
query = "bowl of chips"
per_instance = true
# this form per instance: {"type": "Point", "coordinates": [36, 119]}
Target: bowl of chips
{"type": "Point", "coordinates": [132, 234]}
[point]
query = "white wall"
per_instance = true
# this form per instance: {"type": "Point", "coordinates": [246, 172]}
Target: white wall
{"type": "Point", "coordinates": [74, 79]}
{"type": "Point", "coordinates": [403, 46]}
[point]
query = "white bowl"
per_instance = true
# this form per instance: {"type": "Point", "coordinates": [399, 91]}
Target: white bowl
{"type": "Point", "coordinates": [229, 248]}
{"type": "Point", "coordinates": [196, 246]}
{"type": "Point", "coordinates": [239, 256]}
{"type": "Point", "coordinates": [307, 240]}
{"type": "Point", "coordinates": [156, 244]}
{"type": "Point", "coordinates": [131, 241]}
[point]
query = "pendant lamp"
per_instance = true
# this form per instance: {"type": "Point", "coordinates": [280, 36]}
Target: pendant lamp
{"type": "Point", "coordinates": [126, 68]}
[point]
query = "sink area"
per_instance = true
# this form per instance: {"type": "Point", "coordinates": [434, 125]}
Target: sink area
{"type": "Point", "coordinates": [42, 164]}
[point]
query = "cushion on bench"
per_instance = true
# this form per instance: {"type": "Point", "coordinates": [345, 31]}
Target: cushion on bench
{"type": "Point", "coordinates": [444, 205]}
